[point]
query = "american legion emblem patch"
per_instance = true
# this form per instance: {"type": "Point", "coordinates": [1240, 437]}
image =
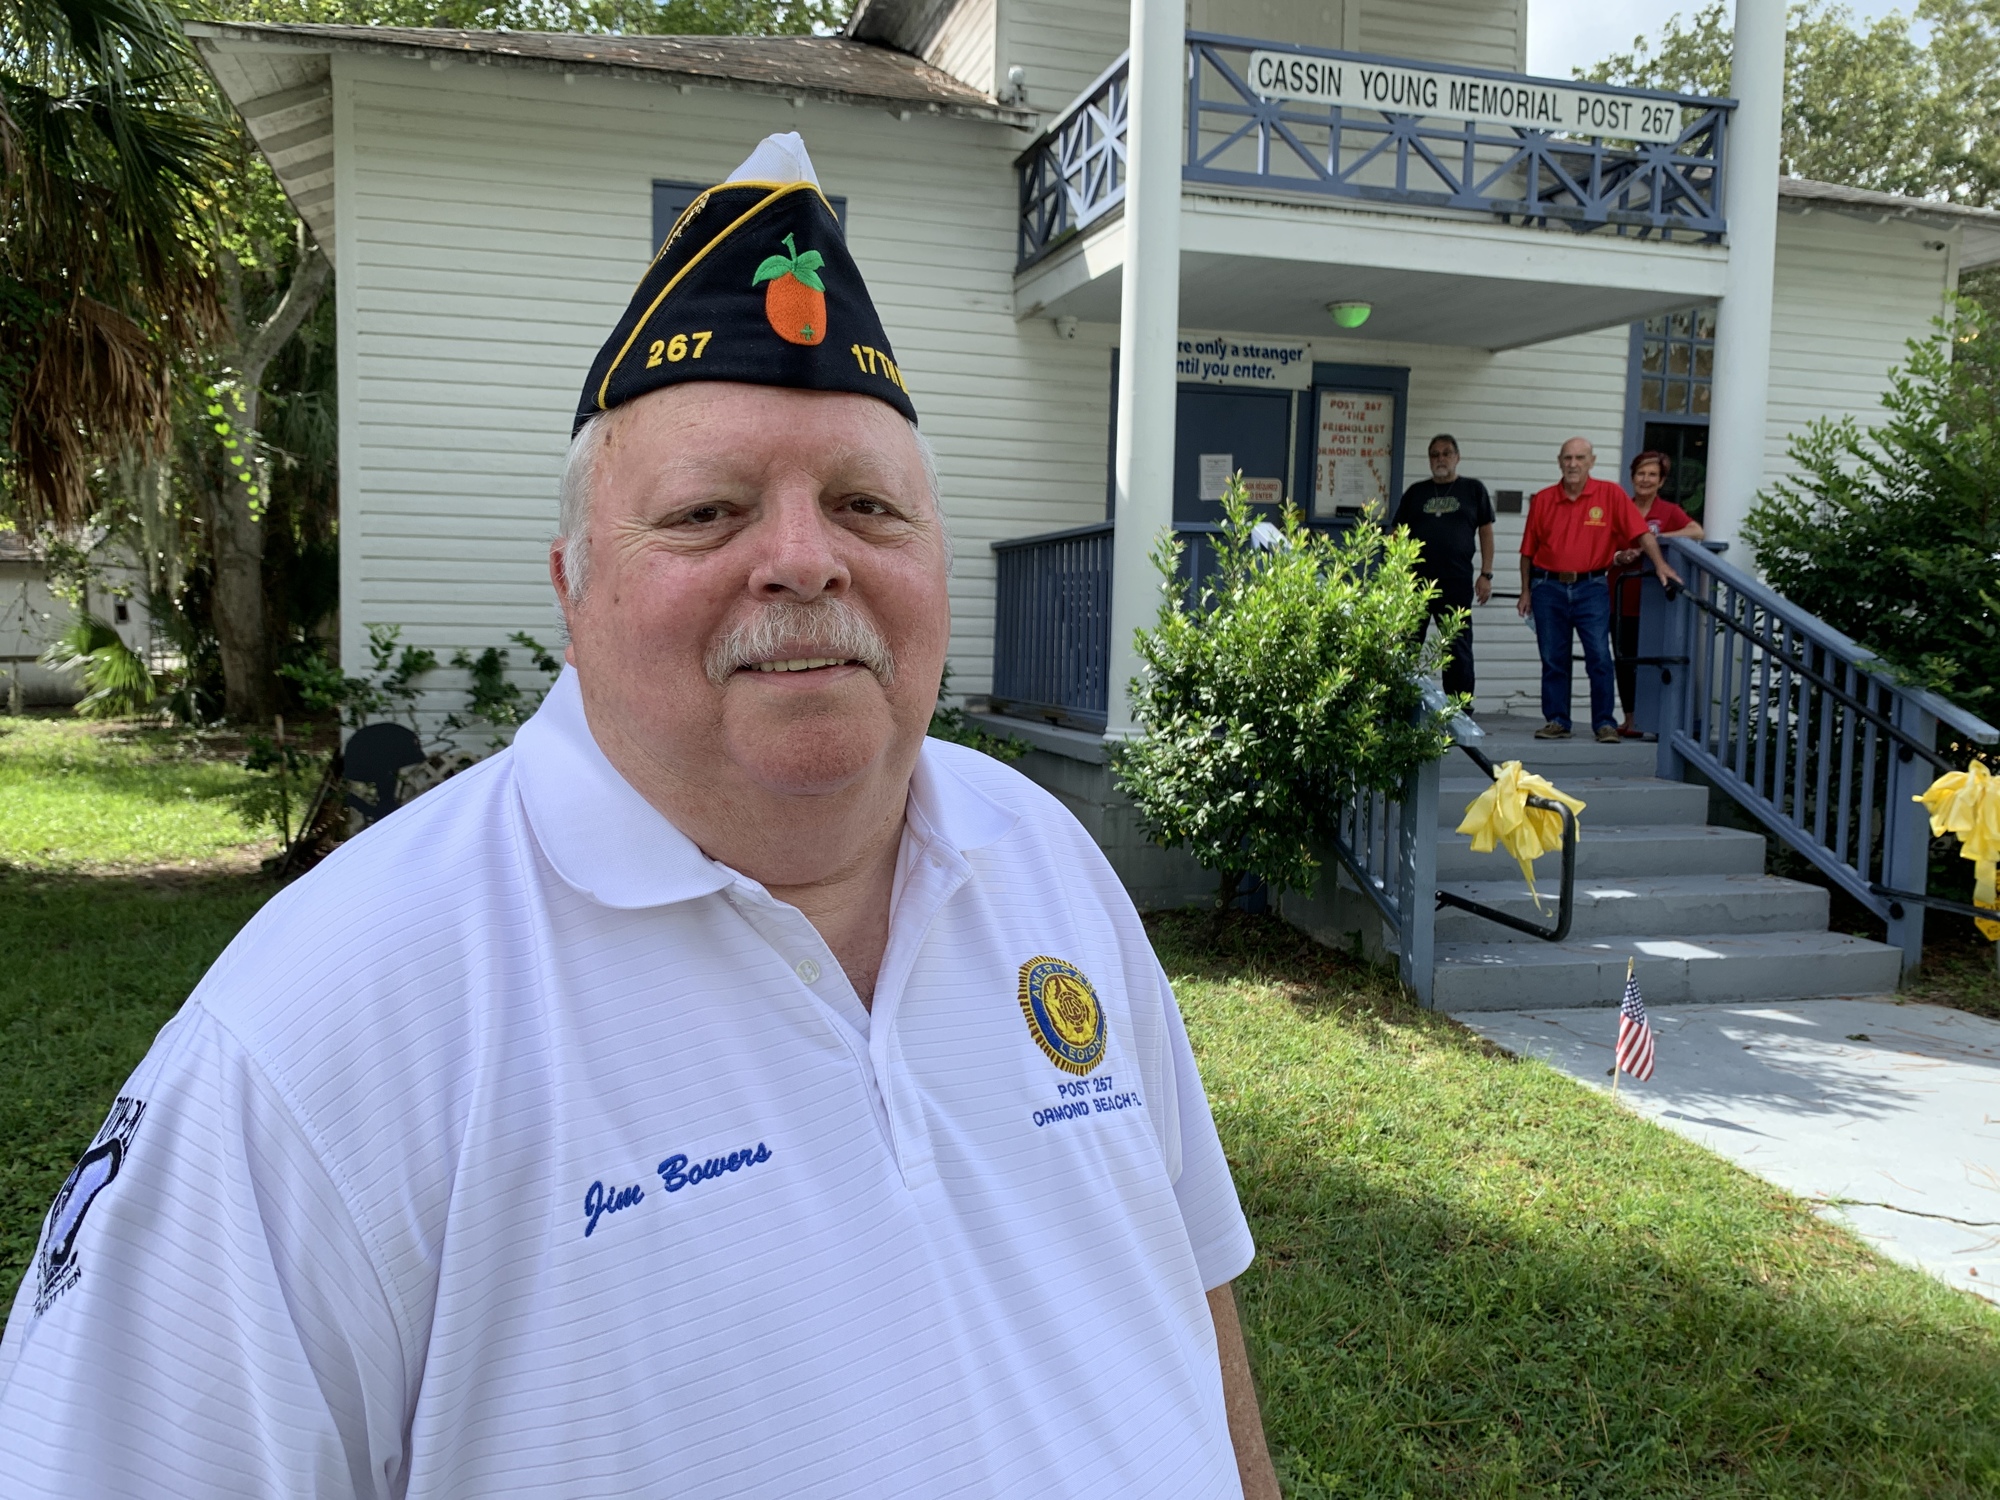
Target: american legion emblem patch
{"type": "Point", "coordinates": [1063, 1014]}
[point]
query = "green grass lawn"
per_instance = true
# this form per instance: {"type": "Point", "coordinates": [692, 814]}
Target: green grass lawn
{"type": "Point", "coordinates": [1475, 1277]}
{"type": "Point", "coordinates": [76, 796]}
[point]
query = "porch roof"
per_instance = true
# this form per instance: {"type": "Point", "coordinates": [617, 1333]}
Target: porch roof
{"type": "Point", "coordinates": [1979, 228]}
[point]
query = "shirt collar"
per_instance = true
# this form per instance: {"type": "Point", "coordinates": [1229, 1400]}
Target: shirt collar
{"type": "Point", "coordinates": [599, 833]}
{"type": "Point", "coordinates": [947, 809]}
{"type": "Point", "coordinates": [613, 845]}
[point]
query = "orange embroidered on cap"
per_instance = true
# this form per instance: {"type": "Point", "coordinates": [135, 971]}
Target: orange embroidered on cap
{"type": "Point", "coordinates": [795, 297]}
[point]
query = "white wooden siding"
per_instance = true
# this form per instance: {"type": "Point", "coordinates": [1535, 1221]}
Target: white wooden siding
{"type": "Point", "coordinates": [492, 224]}
{"type": "Point", "coordinates": [1062, 44]}
{"type": "Point", "coordinates": [1850, 294]}
{"type": "Point", "coordinates": [1481, 33]}
{"type": "Point", "coordinates": [964, 45]}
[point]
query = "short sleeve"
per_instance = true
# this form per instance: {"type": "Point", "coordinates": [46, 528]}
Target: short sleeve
{"type": "Point", "coordinates": [1531, 527]}
{"type": "Point", "coordinates": [1482, 505]}
{"type": "Point", "coordinates": [1633, 526]}
{"type": "Point", "coordinates": [202, 1316]}
{"type": "Point", "coordinates": [1207, 1196]}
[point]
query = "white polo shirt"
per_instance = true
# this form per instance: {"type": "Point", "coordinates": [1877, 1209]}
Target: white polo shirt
{"type": "Point", "coordinates": [523, 1150]}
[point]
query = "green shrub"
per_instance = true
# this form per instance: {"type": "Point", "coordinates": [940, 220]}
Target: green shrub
{"type": "Point", "coordinates": [1892, 533]}
{"type": "Point", "coordinates": [494, 698]}
{"type": "Point", "coordinates": [115, 678]}
{"type": "Point", "coordinates": [949, 723]}
{"type": "Point", "coordinates": [1293, 679]}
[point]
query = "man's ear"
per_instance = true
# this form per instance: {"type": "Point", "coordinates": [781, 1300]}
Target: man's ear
{"type": "Point", "coordinates": [559, 577]}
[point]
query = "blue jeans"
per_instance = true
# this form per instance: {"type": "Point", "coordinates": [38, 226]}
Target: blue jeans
{"type": "Point", "coordinates": [1585, 607]}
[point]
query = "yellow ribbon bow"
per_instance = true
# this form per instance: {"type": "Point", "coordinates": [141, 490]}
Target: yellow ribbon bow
{"type": "Point", "coordinates": [1967, 803]}
{"type": "Point", "coordinates": [1501, 815]}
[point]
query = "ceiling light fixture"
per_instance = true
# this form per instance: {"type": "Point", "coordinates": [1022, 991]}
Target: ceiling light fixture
{"type": "Point", "coordinates": [1350, 314]}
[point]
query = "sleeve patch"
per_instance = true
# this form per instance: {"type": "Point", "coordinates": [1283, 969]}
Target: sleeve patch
{"type": "Point", "coordinates": [57, 1265]}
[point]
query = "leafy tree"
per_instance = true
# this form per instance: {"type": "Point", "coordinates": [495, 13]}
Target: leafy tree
{"type": "Point", "coordinates": [107, 140]}
{"type": "Point", "coordinates": [1892, 534]}
{"type": "Point", "coordinates": [1294, 678]}
{"type": "Point", "coordinates": [1868, 106]}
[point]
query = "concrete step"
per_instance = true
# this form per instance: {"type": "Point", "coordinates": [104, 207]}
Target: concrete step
{"type": "Point", "coordinates": [1683, 906]}
{"type": "Point", "coordinates": [1647, 850]}
{"type": "Point", "coordinates": [1513, 739]}
{"type": "Point", "coordinates": [1613, 801]}
{"type": "Point", "coordinates": [1671, 971]}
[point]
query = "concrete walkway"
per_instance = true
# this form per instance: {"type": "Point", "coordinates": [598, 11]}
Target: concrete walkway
{"type": "Point", "coordinates": [1888, 1113]}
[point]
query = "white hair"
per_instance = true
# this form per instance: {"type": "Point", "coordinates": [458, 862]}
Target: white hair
{"type": "Point", "coordinates": [579, 483]}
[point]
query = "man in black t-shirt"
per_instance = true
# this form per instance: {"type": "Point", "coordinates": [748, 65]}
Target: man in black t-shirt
{"type": "Point", "coordinates": [1448, 515]}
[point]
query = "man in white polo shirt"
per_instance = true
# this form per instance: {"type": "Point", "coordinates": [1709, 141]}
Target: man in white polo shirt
{"type": "Point", "coordinates": [723, 1092]}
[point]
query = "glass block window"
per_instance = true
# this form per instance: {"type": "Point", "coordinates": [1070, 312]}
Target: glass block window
{"type": "Point", "coordinates": [1675, 358]}
{"type": "Point", "coordinates": [1667, 398]}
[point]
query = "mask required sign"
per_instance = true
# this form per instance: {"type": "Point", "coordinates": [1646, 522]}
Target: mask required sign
{"type": "Point", "coordinates": [1528, 103]}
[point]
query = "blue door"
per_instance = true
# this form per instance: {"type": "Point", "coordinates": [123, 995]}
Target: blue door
{"type": "Point", "coordinates": [1219, 430]}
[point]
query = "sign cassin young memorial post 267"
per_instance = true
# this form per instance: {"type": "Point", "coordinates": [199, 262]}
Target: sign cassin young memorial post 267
{"type": "Point", "coordinates": [1530, 103]}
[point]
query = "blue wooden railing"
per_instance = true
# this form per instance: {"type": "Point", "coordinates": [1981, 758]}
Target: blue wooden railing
{"type": "Point", "coordinates": [1052, 620]}
{"type": "Point", "coordinates": [1074, 173]}
{"type": "Point", "coordinates": [1804, 729]}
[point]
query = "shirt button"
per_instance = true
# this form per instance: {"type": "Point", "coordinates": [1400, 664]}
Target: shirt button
{"type": "Point", "coordinates": [807, 970]}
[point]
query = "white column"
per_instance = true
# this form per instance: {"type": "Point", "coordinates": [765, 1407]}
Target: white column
{"type": "Point", "coordinates": [1148, 334]}
{"type": "Point", "coordinates": [1739, 401]}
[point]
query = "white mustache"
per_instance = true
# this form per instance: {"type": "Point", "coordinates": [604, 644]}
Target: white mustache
{"type": "Point", "coordinates": [828, 627]}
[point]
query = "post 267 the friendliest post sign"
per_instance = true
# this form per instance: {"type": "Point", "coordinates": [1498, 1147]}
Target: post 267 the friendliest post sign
{"type": "Point", "coordinates": [1529, 103]}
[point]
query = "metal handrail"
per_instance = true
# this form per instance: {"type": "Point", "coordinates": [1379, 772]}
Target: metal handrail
{"type": "Point", "coordinates": [1566, 904]}
{"type": "Point", "coordinates": [1819, 632]}
{"type": "Point", "coordinates": [1814, 736]}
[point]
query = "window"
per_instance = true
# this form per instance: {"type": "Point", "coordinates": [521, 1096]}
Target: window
{"type": "Point", "coordinates": [670, 201]}
{"type": "Point", "coordinates": [1667, 398]}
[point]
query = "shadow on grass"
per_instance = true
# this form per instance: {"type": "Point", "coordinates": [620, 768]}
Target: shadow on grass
{"type": "Point", "coordinates": [1407, 1345]}
{"type": "Point", "coordinates": [1475, 1278]}
{"type": "Point", "coordinates": [1233, 947]}
{"type": "Point", "coordinates": [93, 967]}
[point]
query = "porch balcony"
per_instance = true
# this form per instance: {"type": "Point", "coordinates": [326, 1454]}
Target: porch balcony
{"type": "Point", "coordinates": [1469, 207]}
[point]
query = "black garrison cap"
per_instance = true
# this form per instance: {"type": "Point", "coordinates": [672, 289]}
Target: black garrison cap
{"type": "Point", "coordinates": [753, 284]}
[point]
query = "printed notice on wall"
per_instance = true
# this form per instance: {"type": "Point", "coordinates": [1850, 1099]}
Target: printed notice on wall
{"type": "Point", "coordinates": [1212, 477]}
{"type": "Point", "coordinates": [1355, 444]}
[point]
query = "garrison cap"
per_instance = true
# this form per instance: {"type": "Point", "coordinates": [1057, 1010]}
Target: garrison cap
{"type": "Point", "coordinates": [753, 284]}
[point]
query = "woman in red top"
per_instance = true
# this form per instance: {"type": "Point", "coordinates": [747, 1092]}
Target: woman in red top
{"type": "Point", "coordinates": [1664, 518]}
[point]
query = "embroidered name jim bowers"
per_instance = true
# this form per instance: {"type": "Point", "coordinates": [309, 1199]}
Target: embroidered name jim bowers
{"type": "Point", "coordinates": [675, 1174]}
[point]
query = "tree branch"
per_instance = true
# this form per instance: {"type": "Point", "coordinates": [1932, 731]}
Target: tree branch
{"type": "Point", "coordinates": [308, 284]}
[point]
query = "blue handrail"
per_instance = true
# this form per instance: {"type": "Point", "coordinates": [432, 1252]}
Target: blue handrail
{"type": "Point", "coordinates": [1806, 730]}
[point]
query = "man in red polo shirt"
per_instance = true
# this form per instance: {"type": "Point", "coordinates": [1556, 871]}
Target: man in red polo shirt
{"type": "Point", "coordinates": [1574, 530]}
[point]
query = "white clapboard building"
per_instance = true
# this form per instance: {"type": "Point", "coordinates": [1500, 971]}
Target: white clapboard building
{"type": "Point", "coordinates": [1382, 230]}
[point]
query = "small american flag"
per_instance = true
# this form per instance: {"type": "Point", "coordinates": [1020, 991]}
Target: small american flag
{"type": "Point", "coordinates": [1635, 1035]}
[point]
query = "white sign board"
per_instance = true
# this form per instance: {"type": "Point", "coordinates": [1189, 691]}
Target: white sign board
{"type": "Point", "coordinates": [1212, 475]}
{"type": "Point", "coordinates": [1226, 359]}
{"type": "Point", "coordinates": [1355, 452]}
{"type": "Point", "coordinates": [1529, 103]}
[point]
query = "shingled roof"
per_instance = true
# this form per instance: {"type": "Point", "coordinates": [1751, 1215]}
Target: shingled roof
{"type": "Point", "coordinates": [826, 67]}
{"type": "Point", "coordinates": [278, 78]}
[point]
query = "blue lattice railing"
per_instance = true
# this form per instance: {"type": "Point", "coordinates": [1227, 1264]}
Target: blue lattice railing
{"type": "Point", "coordinates": [1236, 138]}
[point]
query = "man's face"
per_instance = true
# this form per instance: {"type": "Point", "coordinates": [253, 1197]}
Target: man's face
{"type": "Point", "coordinates": [1444, 462]}
{"type": "Point", "coordinates": [765, 596]}
{"type": "Point", "coordinates": [1576, 458]}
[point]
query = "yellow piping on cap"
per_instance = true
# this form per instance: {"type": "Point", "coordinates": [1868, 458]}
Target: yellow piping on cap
{"type": "Point", "coordinates": [779, 189]}
{"type": "Point", "coordinates": [702, 197]}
